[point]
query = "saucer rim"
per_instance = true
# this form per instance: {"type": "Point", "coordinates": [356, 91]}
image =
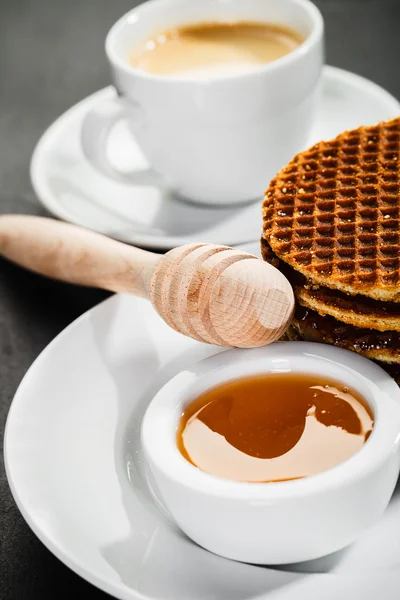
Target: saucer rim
{"type": "Point", "coordinates": [49, 201]}
{"type": "Point", "coordinates": [62, 554]}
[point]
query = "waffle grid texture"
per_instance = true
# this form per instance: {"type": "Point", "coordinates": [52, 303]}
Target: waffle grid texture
{"type": "Point", "coordinates": [357, 310]}
{"type": "Point", "coordinates": [333, 212]}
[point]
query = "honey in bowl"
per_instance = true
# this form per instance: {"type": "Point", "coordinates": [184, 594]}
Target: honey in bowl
{"type": "Point", "coordinates": [274, 427]}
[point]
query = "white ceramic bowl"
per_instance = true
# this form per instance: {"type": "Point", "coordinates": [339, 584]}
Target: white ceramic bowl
{"type": "Point", "coordinates": [285, 522]}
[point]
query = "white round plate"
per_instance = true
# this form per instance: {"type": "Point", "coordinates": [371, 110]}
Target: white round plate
{"type": "Point", "coordinates": [144, 213]}
{"type": "Point", "coordinates": [74, 464]}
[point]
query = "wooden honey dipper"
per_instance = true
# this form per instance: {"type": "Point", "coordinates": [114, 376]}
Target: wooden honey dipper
{"type": "Point", "coordinates": [212, 293]}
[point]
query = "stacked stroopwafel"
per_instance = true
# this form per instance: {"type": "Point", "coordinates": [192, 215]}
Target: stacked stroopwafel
{"type": "Point", "coordinates": [332, 225]}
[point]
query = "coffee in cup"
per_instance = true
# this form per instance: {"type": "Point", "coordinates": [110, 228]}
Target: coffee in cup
{"type": "Point", "coordinates": [217, 137]}
{"type": "Point", "coordinates": [207, 50]}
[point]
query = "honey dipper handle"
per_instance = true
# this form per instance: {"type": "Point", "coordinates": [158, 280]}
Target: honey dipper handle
{"type": "Point", "coordinates": [75, 255]}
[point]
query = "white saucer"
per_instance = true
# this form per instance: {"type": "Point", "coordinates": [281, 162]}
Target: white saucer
{"type": "Point", "coordinates": [146, 215]}
{"type": "Point", "coordinates": [74, 464]}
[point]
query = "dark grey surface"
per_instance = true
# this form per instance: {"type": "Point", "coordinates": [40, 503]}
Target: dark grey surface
{"type": "Point", "coordinates": [51, 56]}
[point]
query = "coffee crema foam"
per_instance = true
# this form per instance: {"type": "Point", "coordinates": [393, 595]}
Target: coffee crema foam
{"type": "Point", "coordinates": [212, 50]}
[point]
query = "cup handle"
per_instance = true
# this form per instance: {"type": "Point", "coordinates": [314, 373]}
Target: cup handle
{"type": "Point", "coordinates": [96, 128]}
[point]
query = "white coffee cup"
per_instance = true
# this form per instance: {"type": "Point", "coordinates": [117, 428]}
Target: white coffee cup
{"type": "Point", "coordinates": [216, 141]}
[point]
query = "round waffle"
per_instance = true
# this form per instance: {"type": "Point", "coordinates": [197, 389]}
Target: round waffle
{"type": "Point", "coordinates": [333, 212]}
{"type": "Point", "coordinates": [377, 345]}
{"type": "Point", "coordinates": [353, 310]}
{"type": "Point", "coordinates": [359, 311]}
{"type": "Point", "coordinates": [392, 368]}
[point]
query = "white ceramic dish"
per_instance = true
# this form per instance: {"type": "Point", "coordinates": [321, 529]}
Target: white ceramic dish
{"type": "Point", "coordinates": [75, 465]}
{"type": "Point", "coordinates": [215, 141]}
{"type": "Point", "coordinates": [143, 213]}
{"type": "Point", "coordinates": [285, 522]}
